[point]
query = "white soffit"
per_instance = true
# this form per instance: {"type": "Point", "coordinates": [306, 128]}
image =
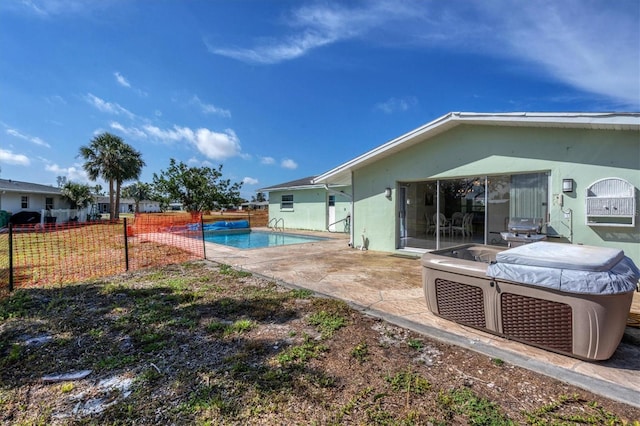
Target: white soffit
{"type": "Point", "coordinates": [595, 121]}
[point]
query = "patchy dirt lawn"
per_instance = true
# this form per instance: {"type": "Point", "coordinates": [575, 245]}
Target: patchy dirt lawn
{"type": "Point", "coordinates": [200, 343]}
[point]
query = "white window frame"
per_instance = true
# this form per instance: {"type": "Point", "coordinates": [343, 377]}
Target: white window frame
{"type": "Point", "coordinates": [286, 205]}
{"type": "Point", "coordinates": [24, 201]}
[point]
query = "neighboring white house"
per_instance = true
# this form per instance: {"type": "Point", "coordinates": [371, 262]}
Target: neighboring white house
{"type": "Point", "coordinates": [301, 204]}
{"type": "Point", "coordinates": [17, 196]}
{"type": "Point", "coordinates": [254, 205]}
{"type": "Point", "coordinates": [128, 205]}
{"type": "Point", "coordinates": [577, 174]}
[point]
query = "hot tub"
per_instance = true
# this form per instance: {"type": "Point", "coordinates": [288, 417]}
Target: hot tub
{"type": "Point", "coordinates": [566, 298]}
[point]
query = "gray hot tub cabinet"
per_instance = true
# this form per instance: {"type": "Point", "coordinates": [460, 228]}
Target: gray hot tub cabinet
{"type": "Point", "coordinates": [566, 298]}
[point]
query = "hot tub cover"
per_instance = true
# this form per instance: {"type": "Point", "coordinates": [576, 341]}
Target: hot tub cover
{"type": "Point", "coordinates": [567, 267]}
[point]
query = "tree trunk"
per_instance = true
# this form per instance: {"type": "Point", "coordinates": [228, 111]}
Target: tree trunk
{"type": "Point", "coordinates": [118, 183]}
{"type": "Point", "coordinates": [111, 203]}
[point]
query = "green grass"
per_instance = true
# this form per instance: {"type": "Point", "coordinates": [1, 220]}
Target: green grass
{"type": "Point", "coordinates": [115, 361]}
{"type": "Point", "coordinates": [408, 381]}
{"type": "Point", "coordinates": [326, 323]}
{"type": "Point", "coordinates": [569, 410]}
{"type": "Point", "coordinates": [478, 411]}
{"type": "Point", "coordinates": [301, 293]}
{"type": "Point", "coordinates": [299, 354]}
{"type": "Point", "coordinates": [16, 306]}
{"type": "Point", "coordinates": [360, 352]}
{"type": "Point", "coordinates": [416, 344]}
{"type": "Point", "coordinates": [233, 273]}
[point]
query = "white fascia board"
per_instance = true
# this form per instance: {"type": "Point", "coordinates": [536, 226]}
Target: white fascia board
{"type": "Point", "coordinates": [588, 120]}
{"type": "Point", "coordinates": [337, 175]}
{"type": "Point", "coordinates": [604, 121]}
{"type": "Point", "coordinates": [53, 191]}
{"type": "Point", "coordinates": [292, 188]}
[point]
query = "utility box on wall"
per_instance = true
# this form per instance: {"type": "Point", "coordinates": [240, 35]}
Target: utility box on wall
{"type": "Point", "coordinates": [611, 202]}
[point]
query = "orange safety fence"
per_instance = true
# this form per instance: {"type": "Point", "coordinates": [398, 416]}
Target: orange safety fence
{"type": "Point", "coordinates": [74, 252]}
{"type": "Point", "coordinates": [159, 222]}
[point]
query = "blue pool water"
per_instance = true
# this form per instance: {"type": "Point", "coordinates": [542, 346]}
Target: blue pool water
{"type": "Point", "coordinates": [258, 239]}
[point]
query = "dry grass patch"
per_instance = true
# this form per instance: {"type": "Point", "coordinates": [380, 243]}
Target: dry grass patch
{"type": "Point", "coordinates": [200, 343]}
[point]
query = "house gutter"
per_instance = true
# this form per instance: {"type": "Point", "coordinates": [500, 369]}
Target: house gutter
{"type": "Point", "coordinates": [333, 191]}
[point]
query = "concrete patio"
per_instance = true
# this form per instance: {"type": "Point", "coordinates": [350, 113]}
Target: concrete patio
{"type": "Point", "coordinates": [389, 286]}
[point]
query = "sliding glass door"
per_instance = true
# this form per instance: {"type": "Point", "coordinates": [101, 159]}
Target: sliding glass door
{"type": "Point", "coordinates": [446, 212]}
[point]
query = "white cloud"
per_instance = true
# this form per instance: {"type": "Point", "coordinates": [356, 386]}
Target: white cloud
{"type": "Point", "coordinates": [209, 108]}
{"type": "Point", "coordinates": [9, 157]}
{"type": "Point", "coordinates": [267, 160]}
{"type": "Point", "coordinates": [216, 145]}
{"type": "Point", "coordinates": [288, 163]}
{"type": "Point", "coordinates": [51, 8]}
{"type": "Point", "coordinates": [73, 173]}
{"type": "Point", "coordinates": [397, 104]}
{"type": "Point", "coordinates": [314, 26]}
{"type": "Point", "coordinates": [177, 134]}
{"type": "Point", "coordinates": [122, 81]}
{"type": "Point", "coordinates": [33, 139]}
{"type": "Point", "coordinates": [108, 107]}
{"type": "Point", "coordinates": [250, 181]}
{"type": "Point", "coordinates": [199, 163]}
{"type": "Point", "coordinates": [129, 131]}
{"type": "Point", "coordinates": [213, 145]}
{"type": "Point", "coordinates": [592, 46]}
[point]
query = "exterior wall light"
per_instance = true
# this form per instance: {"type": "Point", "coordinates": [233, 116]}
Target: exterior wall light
{"type": "Point", "coordinates": [567, 185]}
{"type": "Point", "coordinates": [387, 192]}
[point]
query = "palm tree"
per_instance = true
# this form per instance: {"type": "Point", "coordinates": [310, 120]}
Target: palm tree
{"type": "Point", "coordinates": [79, 195]}
{"type": "Point", "coordinates": [109, 157]}
{"type": "Point", "coordinates": [138, 191]}
{"type": "Point", "coordinates": [130, 167]}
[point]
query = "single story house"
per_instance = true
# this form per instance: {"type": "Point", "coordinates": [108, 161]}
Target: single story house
{"type": "Point", "coordinates": [302, 204]}
{"type": "Point", "coordinates": [464, 177]}
{"type": "Point", "coordinates": [128, 205]}
{"type": "Point", "coordinates": [17, 196]}
{"type": "Point", "coordinates": [254, 205]}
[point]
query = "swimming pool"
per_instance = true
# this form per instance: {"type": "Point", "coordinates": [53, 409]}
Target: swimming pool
{"type": "Point", "coordinates": [257, 239]}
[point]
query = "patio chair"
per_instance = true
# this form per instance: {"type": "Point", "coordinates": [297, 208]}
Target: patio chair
{"type": "Point", "coordinates": [430, 226]}
{"type": "Point", "coordinates": [465, 227]}
{"type": "Point", "coordinates": [456, 219]}
{"type": "Point", "coordinates": [445, 224]}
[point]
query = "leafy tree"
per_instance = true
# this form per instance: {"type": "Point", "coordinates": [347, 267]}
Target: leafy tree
{"type": "Point", "coordinates": [62, 180]}
{"type": "Point", "coordinates": [109, 157]}
{"type": "Point", "coordinates": [139, 191]}
{"type": "Point", "coordinates": [258, 198]}
{"type": "Point", "coordinates": [197, 188]}
{"type": "Point", "coordinates": [79, 195]}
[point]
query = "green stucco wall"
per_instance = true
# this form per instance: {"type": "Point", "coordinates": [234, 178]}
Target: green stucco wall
{"type": "Point", "coordinates": [580, 154]}
{"type": "Point", "coordinates": [309, 209]}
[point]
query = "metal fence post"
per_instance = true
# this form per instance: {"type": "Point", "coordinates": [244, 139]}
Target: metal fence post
{"type": "Point", "coordinates": [204, 244]}
{"type": "Point", "coordinates": [10, 257]}
{"type": "Point", "coordinates": [126, 245]}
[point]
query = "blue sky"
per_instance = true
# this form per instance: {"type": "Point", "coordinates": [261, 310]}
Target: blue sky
{"type": "Point", "coordinates": [280, 90]}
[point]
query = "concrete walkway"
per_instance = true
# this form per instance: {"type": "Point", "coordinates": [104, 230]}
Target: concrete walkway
{"type": "Point", "coordinates": [390, 287]}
